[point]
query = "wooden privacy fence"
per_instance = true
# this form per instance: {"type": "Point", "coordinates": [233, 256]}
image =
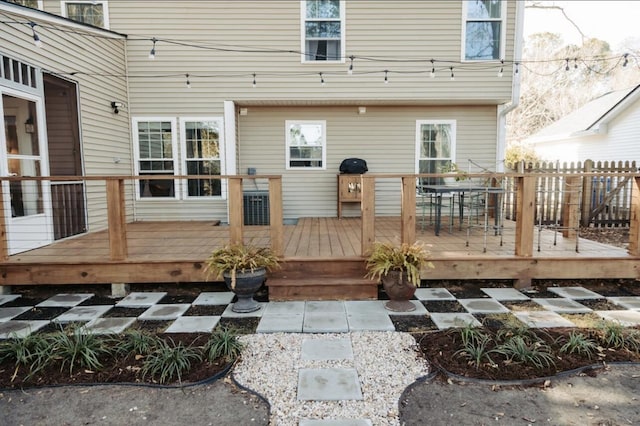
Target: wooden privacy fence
{"type": "Point", "coordinates": [600, 192]}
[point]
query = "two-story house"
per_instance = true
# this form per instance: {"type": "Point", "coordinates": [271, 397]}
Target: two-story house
{"type": "Point", "coordinates": [278, 87]}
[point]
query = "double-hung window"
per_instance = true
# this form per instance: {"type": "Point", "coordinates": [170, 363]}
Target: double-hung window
{"type": "Point", "coordinates": [156, 154]}
{"type": "Point", "coordinates": [484, 27]}
{"type": "Point", "coordinates": [35, 4]}
{"type": "Point", "coordinates": [435, 147]}
{"type": "Point", "coordinates": [323, 30]}
{"type": "Point", "coordinates": [202, 148]}
{"type": "Point", "coordinates": [306, 144]}
{"type": "Point", "coordinates": [92, 12]}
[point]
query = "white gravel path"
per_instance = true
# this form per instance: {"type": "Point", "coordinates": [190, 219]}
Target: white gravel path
{"type": "Point", "coordinates": [386, 362]}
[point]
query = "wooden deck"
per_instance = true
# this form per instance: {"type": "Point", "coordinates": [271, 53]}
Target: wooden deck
{"type": "Point", "coordinates": [174, 252]}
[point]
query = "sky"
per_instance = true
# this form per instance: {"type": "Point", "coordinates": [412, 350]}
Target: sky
{"type": "Point", "coordinates": [608, 20]}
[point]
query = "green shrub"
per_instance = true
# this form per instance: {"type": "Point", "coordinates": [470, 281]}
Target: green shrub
{"type": "Point", "coordinates": [516, 349]}
{"type": "Point", "coordinates": [579, 344]}
{"type": "Point", "coordinates": [169, 361]}
{"type": "Point", "coordinates": [223, 343]}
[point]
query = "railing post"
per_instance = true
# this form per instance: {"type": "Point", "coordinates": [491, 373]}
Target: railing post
{"type": "Point", "coordinates": [571, 201]}
{"type": "Point", "coordinates": [275, 216]}
{"type": "Point", "coordinates": [368, 213]}
{"type": "Point", "coordinates": [525, 218]}
{"type": "Point", "coordinates": [587, 188]}
{"type": "Point", "coordinates": [634, 218]}
{"type": "Point", "coordinates": [116, 219]}
{"type": "Point", "coordinates": [408, 210]}
{"type": "Point", "coordinates": [236, 218]}
{"type": "Point", "coordinates": [4, 246]}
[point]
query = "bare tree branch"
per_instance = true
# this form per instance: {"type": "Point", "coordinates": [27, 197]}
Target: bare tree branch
{"type": "Point", "coordinates": [537, 5]}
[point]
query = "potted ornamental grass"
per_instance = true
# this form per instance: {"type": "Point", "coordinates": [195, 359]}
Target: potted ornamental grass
{"type": "Point", "coordinates": [244, 269]}
{"type": "Point", "coordinates": [398, 267]}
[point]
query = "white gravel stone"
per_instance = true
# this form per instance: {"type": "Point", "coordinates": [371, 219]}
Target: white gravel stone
{"type": "Point", "coordinates": [386, 362]}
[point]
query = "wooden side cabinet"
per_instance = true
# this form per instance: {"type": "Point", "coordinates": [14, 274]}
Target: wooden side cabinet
{"type": "Point", "coordinates": [349, 191]}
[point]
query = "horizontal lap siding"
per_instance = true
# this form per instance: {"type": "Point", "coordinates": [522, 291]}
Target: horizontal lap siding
{"type": "Point", "coordinates": [384, 137]}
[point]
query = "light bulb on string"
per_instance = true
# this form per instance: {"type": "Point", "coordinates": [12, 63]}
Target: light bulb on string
{"type": "Point", "coordinates": [566, 68]}
{"type": "Point", "coordinates": [254, 84]}
{"type": "Point", "coordinates": [517, 68]}
{"type": "Point", "coordinates": [626, 60]}
{"type": "Point", "coordinates": [36, 37]}
{"type": "Point", "coordinates": [453, 77]}
{"type": "Point", "coordinates": [152, 52]}
{"type": "Point", "coordinates": [350, 71]}
{"type": "Point", "coordinates": [433, 69]}
{"type": "Point", "coordinates": [321, 80]}
{"type": "Point", "coordinates": [501, 72]}
{"type": "Point", "coordinates": [188, 82]}
{"type": "Point", "coordinates": [386, 78]}
{"type": "Point", "coordinates": [575, 63]}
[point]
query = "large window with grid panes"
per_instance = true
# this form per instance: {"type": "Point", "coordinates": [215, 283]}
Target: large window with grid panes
{"type": "Point", "coordinates": [323, 30]}
{"type": "Point", "coordinates": [435, 147]}
{"type": "Point", "coordinates": [483, 29]}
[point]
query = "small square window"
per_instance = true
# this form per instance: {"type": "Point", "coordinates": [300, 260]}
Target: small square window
{"type": "Point", "coordinates": [87, 11]}
{"type": "Point", "coordinates": [306, 144]}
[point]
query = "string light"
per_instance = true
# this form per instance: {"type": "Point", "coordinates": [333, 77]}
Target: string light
{"type": "Point", "coordinates": [517, 67]}
{"type": "Point", "coordinates": [626, 60]}
{"type": "Point", "coordinates": [575, 63]}
{"type": "Point", "coordinates": [501, 72]}
{"type": "Point", "coordinates": [321, 79]}
{"type": "Point", "coordinates": [566, 68]}
{"type": "Point", "coordinates": [453, 77]}
{"type": "Point", "coordinates": [433, 69]}
{"type": "Point", "coordinates": [152, 53]}
{"type": "Point", "coordinates": [36, 37]}
{"type": "Point", "coordinates": [350, 71]}
{"type": "Point", "coordinates": [386, 79]}
{"type": "Point", "coordinates": [188, 82]}
{"type": "Point", "coordinates": [254, 81]}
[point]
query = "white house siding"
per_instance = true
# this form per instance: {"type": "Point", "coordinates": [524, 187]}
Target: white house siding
{"type": "Point", "coordinates": [385, 137]}
{"type": "Point", "coordinates": [91, 57]}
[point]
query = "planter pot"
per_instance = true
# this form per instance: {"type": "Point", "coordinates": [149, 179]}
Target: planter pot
{"type": "Point", "coordinates": [399, 290]}
{"type": "Point", "coordinates": [247, 284]}
{"type": "Point", "coordinates": [449, 180]}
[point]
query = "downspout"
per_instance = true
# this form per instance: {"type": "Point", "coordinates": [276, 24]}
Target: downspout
{"type": "Point", "coordinates": [504, 109]}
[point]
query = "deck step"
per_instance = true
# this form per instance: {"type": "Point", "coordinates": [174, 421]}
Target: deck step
{"type": "Point", "coordinates": [322, 288]}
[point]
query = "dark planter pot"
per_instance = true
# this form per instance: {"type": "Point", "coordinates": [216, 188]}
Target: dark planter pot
{"type": "Point", "coordinates": [400, 290]}
{"type": "Point", "coordinates": [247, 284]}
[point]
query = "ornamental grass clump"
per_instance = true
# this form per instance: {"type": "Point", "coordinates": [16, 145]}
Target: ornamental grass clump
{"type": "Point", "coordinates": [170, 360]}
{"type": "Point", "coordinates": [234, 258]}
{"type": "Point", "coordinates": [223, 343]}
{"type": "Point", "coordinates": [78, 348]}
{"type": "Point", "coordinates": [409, 258]}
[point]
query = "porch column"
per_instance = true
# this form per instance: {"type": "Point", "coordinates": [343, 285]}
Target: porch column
{"type": "Point", "coordinates": [408, 210]}
{"type": "Point", "coordinates": [368, 213]}
{"type": "Point", "coordinates": [236, 221]}
{"type": "Point", "coordinates": [116, 219]}
{"type": "Point", "coordinates": [275, 215]}
{"type": "Point", "coordinates": [525, 217]}
{"type": "Point", "coordinates": [634, 218]}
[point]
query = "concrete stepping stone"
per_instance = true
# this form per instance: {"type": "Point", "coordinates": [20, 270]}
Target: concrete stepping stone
{"type": "Point", "coordinates": [6, 298]}
{"type": "Point", "coordinates": [164, 312]}
{"type": "Point", "coordinates": [453, 320]}
{"type": "Point", "coordinates": [141, 299]}
{"type": "Point", "coordinates": [543, 319]}
{"type": "Point", "coordinates": [483, 306]}
{"type": "Point", "coordinates": [83, 313]}
{"type": "Point", "coordinates": [326, 349]}
{"type": "Point", "coordinates": [204, 324]}
{"type": "Point", "coordinates": [324, 307]}
{"type": "Point", "coordinates": [280, 323]}
{"type": "Point", "coordinates": [64, 300]}
{"type": "Point", "coordinates": [575, 293]}
{"type": "Point", "coordinates": [627, 302]}
{"type": "Point", "coordinates": [370, 322]}
{"type": "Point", "coordinates": [228, 312]}
{"type": "Point", "coordinates": [625, 318]}
{"type": "Point", "coordinates": [284, 308]}
{"type": "Point", "coordinates": [325, 322]}
{"type": "Point", "coordinates": [434, 294]}
{"type": "Point", "coordinates": [213, 298]}
{"type": "Point", "coordinates": [20, 329]}
{"type": "Point", "coordinates": [7, 313]}
{"type": "Point", "coordinates": [562, 305]}
{"type": "Point", "coordinates": [335, 422]}
{"type": "Point", "coordinates": [365, 307]}
{"type": "Point", "coordinates": [503, 294]}
{"type": "Point", "coordinates": [328, 384]}
{"type": "Point", "coordinates": [109, 325]}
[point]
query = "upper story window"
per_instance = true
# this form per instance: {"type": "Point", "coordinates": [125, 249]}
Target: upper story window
{"type": "Point", "coordinates": [484, 26]}
{"type": "Point", "coordinates": [156, 154]}
{"type": "Point", "coordinates": [202, 145]}
{"type": "Point", "coordinates": [35, 4]}
{"type": "Point", "coordinates": [323, 30]}
{"type": "Point", "coordinates": [306, 144]}
{"type": "Point", "coordinates": [435, 146]}
{"type": "Point", "coordinates": [92, 12]}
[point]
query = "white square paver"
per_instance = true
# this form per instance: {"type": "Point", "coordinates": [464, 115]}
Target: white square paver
{"type": "Point", "coordinates": [164, 312]}
{"type": "Point", "coordinates": [6, 298]}
{"type": "Point", "coordinates": [141, 299]}
{"type": "Point", "coordinates": [434, 294]}
{"type": "Point", "coordinates": [20, 329]}
{"type": "Point", "coordinates": [326, 306]}
{"type": "Point", "coordinates": [280, 323]}
{"type": "Point", "coordinates": [328, 384]}
{"type": "Point", "coordinates": [325, 322]}
{"type": "Point", "coordinates": [365, 307]}
{"type": "Point", "coordinates": [625, 318]}
{"type": "Point", "coordinates": [324, 349]}
{"type": "Point", "coordinates": [627, 302]}
{"type": "Point", "coordinates": [83, 313]}
{"type": "Point", "coordinates": [7, 313]}
{"type": "Point", "coordinates": [204, 324]}
{"type": "Point", "coordinates": [64, 300]}
{"type": "Point", "coordinates": [370, 322]}
{"type": "Point", "coordinates": [453, 320]}
{"type": "Point", "coordinates": [294, 308]}
{"type": "Point", "coordinates": [575, 293]}
{"type": "Point", "coordinates": [214, 298]}
{"type": "Point", "coordinates": [483, 306]}
{"type": "Point", "coordinates": [505, 294]}
{"type": "Point", "coordinates": [543, 319]}
{"type": "Point", "coordinates": [228, 312]}
{"type": "Point", "coordinates": [562, 305]}
{"type": "Point", "coordinates": [108, 325]}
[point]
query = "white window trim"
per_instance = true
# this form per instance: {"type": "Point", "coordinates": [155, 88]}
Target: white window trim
{"type": "Point", "coordinates": [343, 35]}
{"type": "Point", "coordinates": [419, 124]}
{"type": "Point", "coordinates": [503, 34]}
{"type": "Point", "coordinates": [104, 3]}
{"type": "Point", "coordinates": [183, 157]}
{"type": "Point", "coordinates": [174, 153]}
{"type": "Point", "coordinates": [288, 123]}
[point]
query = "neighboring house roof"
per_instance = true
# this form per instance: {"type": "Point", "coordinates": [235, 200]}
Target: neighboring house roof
{"type": "Point", "coordinates": [591, 118]}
